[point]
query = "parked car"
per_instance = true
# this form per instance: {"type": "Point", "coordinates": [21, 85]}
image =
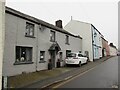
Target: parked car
{"type": "Point", "coordinates": [118, 53]}
{"type": "Point", "coordinates": [76, 58]}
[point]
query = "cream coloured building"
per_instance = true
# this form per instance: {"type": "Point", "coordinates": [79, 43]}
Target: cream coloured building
{"type": "Point", "coordinates": [91, 38]}
{"type": "Point", "coordinates": [113, 50]}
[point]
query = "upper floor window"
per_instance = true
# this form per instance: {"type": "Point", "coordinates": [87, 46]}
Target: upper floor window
{"type": "Point", "coordinates": [95, 34]}
{"type": "Point", "coordinates": [99, 39]}
{"type": "Point", "coordinates": [52, 36]}
{"type": "Point", "coordinates": [67, 39]}
{"type": "Point", "coordinates": [29, 29]}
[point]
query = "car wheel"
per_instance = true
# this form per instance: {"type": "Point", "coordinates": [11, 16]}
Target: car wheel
{"type": "Point", "coordinates": [79, 64]}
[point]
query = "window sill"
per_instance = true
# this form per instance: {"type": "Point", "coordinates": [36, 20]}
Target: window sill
{"type": "Point", "coordinates": [29, 36]}
{"type": "Point", "coordinates": [67, 43]}
{"type": "Point", "coordinates": [20, 63]}
{"type": "Point", "coordinates": [52, 41]}
{"type": "Point", "coordinates": [42, 61]}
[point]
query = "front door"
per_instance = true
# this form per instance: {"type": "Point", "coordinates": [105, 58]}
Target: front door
{"type": "Point", "coordinates": [103, 52]}
{"type": "Point", "coordinates": [52, 55]}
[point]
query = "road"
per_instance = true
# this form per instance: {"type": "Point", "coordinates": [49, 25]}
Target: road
{"type": "Point", "coordinates": [104, 75]}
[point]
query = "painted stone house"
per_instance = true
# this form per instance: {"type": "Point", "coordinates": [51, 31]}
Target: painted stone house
{"type": "Point", "coordinates": [31, 43]}
{"type": "Point", "coordinates": [113, 50]}
{"type": "Point", "coordinates": [97, 43]}
{"type": "Point", "coordinates": [105, 48]}
{"type": "Point", "coordinates": [91, 38]}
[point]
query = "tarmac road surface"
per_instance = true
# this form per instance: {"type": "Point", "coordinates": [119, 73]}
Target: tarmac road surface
{"type": "Point", "coordinates": [104, 75]}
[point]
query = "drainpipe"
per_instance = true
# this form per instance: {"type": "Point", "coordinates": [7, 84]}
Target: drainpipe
{"type": "Point", "coordinates": [37, 49]}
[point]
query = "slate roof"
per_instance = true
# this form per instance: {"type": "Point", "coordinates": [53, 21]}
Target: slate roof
{"type": "Point", "coordinates": [37, 21]}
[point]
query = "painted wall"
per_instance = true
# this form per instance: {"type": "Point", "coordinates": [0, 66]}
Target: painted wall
{"type": "Point", "coordinates": [97, 43]}
{"type": "Point", "coordinates": [2, 17]}
{"type": "Point", "coordinates": [44, 44]}
{"type": "Point", "coordinates": [113, 51]}
{"type": "Point", "coordinates": [100, 45]}
{"type": "Point", "coordinates": [84, 30]}
{"type": "Point", "coordinates": [106, 47]}
{"type": "Point", "coordinates": [15, 36]}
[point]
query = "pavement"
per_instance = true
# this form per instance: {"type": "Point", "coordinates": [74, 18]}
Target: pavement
{"type": "Point", "coordinates": [48, 77]}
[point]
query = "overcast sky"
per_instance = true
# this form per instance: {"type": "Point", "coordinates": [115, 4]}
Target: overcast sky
{"type": "Point", "coordinates": [103, 14]}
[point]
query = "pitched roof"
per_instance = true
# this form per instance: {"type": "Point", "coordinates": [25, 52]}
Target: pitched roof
{"type": "Point", "coordinates": [111, 44]}
{"type": "Point", "coordinates": [96, 29]}
{"type": "Point", "coordinates": [104, 39]}
{"type": "Point", "coordinates": [88, 24]}
{"type": "Point", "coordinates": [37, 21]}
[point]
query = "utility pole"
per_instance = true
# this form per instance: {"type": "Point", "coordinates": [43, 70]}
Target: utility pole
{"type": "Point", "coordinates": [2, 30]}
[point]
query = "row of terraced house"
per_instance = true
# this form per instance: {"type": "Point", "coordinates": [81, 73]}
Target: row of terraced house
{"type": "Point", "coordinates": [30, 43]}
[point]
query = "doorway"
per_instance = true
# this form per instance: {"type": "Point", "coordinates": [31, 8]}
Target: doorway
{"type": "Point", "coordinates": [53, 50]}
{"type": "Point", "coordinates": [103, 52]}
{"type": "Point", "coordinates": [53, 57]}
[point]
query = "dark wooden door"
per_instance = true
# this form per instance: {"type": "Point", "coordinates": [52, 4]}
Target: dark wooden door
{"type": "Point", "coordinates": [53, 58]}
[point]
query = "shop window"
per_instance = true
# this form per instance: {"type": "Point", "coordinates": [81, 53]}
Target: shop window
{"type": "Point", "coordinates": [23, 54]}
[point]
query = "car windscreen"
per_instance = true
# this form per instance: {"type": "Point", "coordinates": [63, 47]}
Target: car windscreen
{"type": "Point", "coordinates": [71, 55]}
{"type": "Point", "coordinates": [80, 55]}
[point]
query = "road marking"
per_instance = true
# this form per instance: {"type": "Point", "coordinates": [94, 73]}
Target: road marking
{"type": "Point", "coordinates": [73, 77]}
{"type": "Point", "coordinates": [68, 77]}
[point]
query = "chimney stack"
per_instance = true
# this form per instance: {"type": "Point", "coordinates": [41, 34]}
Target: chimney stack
{"type": "Point", "coordinates": [58, 23]}
{"type": "Point", "coordinates": [111, 44]}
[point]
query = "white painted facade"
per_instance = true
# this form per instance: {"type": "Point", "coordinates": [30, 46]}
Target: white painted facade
{"type": "Point", "coordinates": [84, 30]}
{"type": "Point", "coordinates": [113, 51]}
{"type": "Point", "coordinates": [15, 23]}
{"type": "Point", "coordinates": [100, 44]}
{"type": "Point", "coordinates": [90, 43]}
{"type": "Point", "coordinates": [97, 43]}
